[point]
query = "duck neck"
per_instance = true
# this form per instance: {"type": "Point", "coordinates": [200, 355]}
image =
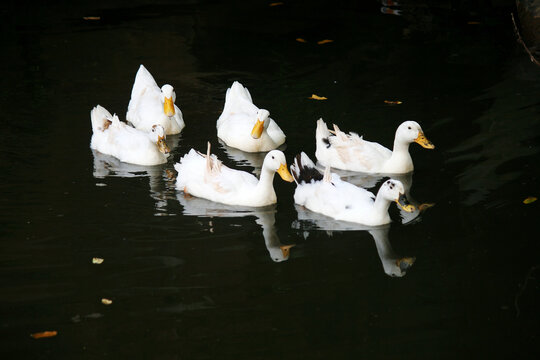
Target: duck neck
{"type": "Point", "coordinates": [265, 187]}
{"type": "Point", "coordinates": [380, 208]}
{"type": "Point", "coordinates": [400, 161]}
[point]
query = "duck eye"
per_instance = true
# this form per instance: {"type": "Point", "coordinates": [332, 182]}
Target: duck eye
{"type": "Point", "coordinates": [409, 128]}
{"type": "Point", "coordinates": [273, 157]}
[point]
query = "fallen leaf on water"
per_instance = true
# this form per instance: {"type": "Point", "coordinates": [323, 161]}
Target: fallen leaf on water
{"type": "Point", "coordinates": [393, 102]}
{"type": "Point", "coordinates": [275, 4]}
{"type": "Point", "coordinates": [44, 334]}
{"type": "Point", "coordinates": [317, 97]}
{"type": "Point", "coordinates": [325, 41]}
{"type": "Point", "coordinates": [473, 22]}
{"type": "Point", "coordinates": [106, 301]}
{"type": "Point", "coordinates": [92, 18]}
{"type": "Point", "coordinates": [529, 200]}
{"type": "Point", "coordinates": [97, 260]}
{"type": "Point", "coordinates": [301, 40]}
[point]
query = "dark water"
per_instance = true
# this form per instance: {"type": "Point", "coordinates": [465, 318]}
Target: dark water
{"type": "Point", "coordinates": [193, 280]}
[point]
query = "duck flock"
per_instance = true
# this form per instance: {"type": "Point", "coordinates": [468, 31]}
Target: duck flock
{"type": "Point", "coordinates": [152, 115]}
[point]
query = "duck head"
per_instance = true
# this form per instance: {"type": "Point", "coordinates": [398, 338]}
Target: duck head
{"type": "Point", "coordinates": [410, 131]}
{"type": "Point", "coordinates": [168, 97]}
{"type": "Point", "coordinates": [261, 124]}
{"type": "Point", "coordinates": [393, 190]}
{"type": "Point", "coordinates": [158, 136]}
{"type": "Point", "coordinates": [275, 161]}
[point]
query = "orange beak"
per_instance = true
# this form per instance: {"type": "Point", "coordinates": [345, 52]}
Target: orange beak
{"type": "Point", "coordinates": [284, 173]}
{"type": "Point", "coordinates": [168, 107]}
{"type": "Point", "coordinates": [285, 250]}
{"type": "Point", "coordinates": [423, 141]}
{"type": "Point", "coordinates": [257, 129]}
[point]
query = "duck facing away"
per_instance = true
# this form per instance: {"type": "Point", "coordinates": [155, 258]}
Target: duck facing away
{"type": "Point", "coordinates": [113, 137]}
{"type": "Point", "coordinates": [351, 152]}
{"type": "Point", "coordinates": [205, 176]}
{"type": "Point", "coordinates": [329, 195]}
{"type": "Point", "coordinates": [244, 126]}
{"type": "Point", "coordinates": [151, 105]}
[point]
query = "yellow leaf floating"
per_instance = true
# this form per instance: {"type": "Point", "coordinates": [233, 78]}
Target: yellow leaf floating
{"type": "Point", "coordinates": [317, 97]}
{"type": "Point", "coordinates": [97, 261]}
{"type": "Point", "coordinates": [325, 41]}
{"type": "Point", "coordinates": [44, 334]}
{"type": "Point", "coordinates": [301, 40]}
{"type": "Point", "coordinates": [275, 4]}
{"type": "Point", "coordinates": [91, 18]}
{"type": "Point", "coordinates": [529, 200]}
{"type": "Point", "coordinates": [106, 301]}
{"type": "Point", "coordinates": [393, 102]}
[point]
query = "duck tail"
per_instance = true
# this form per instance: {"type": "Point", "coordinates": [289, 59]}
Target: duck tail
{"type": "Point", "coordinates": [304, 170]}
{"type": "Point", "coordinates": [322, 134]}
{"type": "Point", "coordinates": [101, 118]}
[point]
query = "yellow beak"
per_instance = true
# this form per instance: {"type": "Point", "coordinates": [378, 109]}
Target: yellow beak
{"type": "Point", "coordinates": [404, 203]}
{"type": "Point", "coordinates": [285, 250]}
{"type": "Point", "coordinates": [284, 173]}
{"type": "Point", "coordinates": [162, 146]}
{"type": "Point", "coordinates": [168, 107]}
{"type": "Point", "coordinates": [257, 129]}
{"type": "Point", "coordinates": [423, 141]}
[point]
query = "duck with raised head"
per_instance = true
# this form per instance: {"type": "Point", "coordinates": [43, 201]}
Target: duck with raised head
{"type": "Point", "coordinates": [205, 176]}
{"type": "Point", "coordinates": [351, 152]}
{"type": "Point", "coordinates": [329, 195]}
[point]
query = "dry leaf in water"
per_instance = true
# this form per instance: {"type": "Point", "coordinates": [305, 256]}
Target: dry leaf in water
{"type": "Point", "coordinates": [301, 40]}
{"type": "Point", "coordinates": [92, 18]}
{"type": "Point", "coordinates": [393, 102]}
{"type": "Point", "coordinates": [106, 301]}
{"type": "Point", "coordinates": [325, 41]}
{"type": "Point", "coordinates": [44, 334]}
{"type": "Point", "coordinates": [275, 4]}
{"type": "Point", "coordinates": [529, 200]}
{"type": "Point", "coordinates": [97, 260]}
{"type": "Point", "coordinates": [317, 97]}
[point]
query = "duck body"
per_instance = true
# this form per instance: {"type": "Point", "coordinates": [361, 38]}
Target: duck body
{"type": "Point", "coordinates": [151, 105]}
{"type": "Point", "coordinates": [113, 137]}
{"type": "Point", "coordinates": [351, 152]}
{"type": "Point", "coordinates": [329, 195]}
{"type": "Point", "coordinates": [205, 176]}
{"type": "Point", "coordinates": [244, 126]}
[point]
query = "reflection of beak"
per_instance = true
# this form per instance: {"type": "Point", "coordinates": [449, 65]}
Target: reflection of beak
{"type": "Point", "coordinates": [405, 263]}
{"type": "Point", "coordinates": [257, 129]}
{"type": "Point", "coordinates": [162, 146]}
{"type": "Point", "coordinates": [404, 203]}
{"type": "Point", "coordinates": [284, 173]}
{"type": "Point", "coordinates": [423, 141]}
{"type": "Point", "coordinates": [168, 107]}
{"type": "Point", "coordinates": [285, 250]}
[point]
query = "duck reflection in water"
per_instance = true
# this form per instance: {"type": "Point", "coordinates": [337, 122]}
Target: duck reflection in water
{"type": "Point", "coordinates": [265, 217]}
{"type": "Point", "coordinates": [393, 264]}
{"type": "Point", "coordinates": [109, 166]}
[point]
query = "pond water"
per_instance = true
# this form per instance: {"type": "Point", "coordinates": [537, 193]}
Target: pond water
{"type": "Point", "coordinates": [190, 279]}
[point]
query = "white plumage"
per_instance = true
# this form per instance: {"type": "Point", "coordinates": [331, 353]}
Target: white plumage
{"type": "Point", "coordinates": [244, 126]}
{"type": "Point", "coordinates": [351, 152]}
{"type": "Point", "coordinates": [113, 137]}
{"type": "Point", "coordinates": [151, 105]}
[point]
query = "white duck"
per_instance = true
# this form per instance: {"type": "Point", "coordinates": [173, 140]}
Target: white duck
{"type": "Point", "coordinates": [244, 126]}
{"type": "Point", "coordinates": [351, 152]}
{"type": "Point", "coordinates": [205, 176]}
{"type": "Point", "coordinates": [151, 105]}
{"type": "Point", "coordinates": [113, 137]}
{"type": "Point", "coordinates": [329, 195]}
